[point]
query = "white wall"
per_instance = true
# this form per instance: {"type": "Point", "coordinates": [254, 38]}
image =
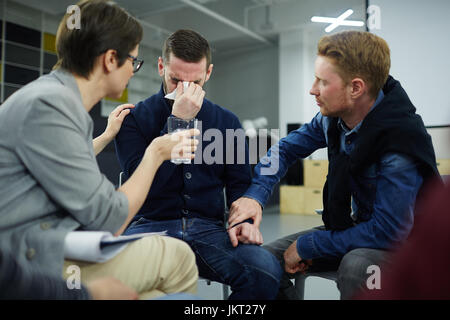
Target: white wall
{"type": "Point", "coordinates": [417, 33]}
{"type": "Point", "coordinates": [297, 55]}
{"type": "Point", "coordinates": [246, 83]}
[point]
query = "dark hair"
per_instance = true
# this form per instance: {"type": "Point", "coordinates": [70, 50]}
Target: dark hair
{"type": "Point", "coordinates": [103, 26]}
{"type": "Point", "coordinates": [188, 46]}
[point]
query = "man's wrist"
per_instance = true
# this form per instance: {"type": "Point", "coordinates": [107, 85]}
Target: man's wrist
{"type": "Point", "coordinates": [178, 116]}
{"type": "Point", "coordinates": [247, 196]}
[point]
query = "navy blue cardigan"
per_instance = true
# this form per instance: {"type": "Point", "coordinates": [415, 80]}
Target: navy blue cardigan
{"type": "Point", "coordinates": [196, 189]}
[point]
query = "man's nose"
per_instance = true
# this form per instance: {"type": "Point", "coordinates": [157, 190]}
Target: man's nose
{"type": "Point", "coordinates": [314, 91]}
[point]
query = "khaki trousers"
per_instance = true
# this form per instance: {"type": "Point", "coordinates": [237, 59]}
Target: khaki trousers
{"type": "Point", "coordinates": [153, 266]}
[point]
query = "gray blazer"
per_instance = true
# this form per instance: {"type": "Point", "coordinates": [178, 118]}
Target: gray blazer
{"type": "Point", "coordinates": [50, 183]}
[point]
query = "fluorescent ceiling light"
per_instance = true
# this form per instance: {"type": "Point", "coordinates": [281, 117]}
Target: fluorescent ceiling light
{"type": "Point", "coordinates": [343, 23]}
{"type": "Point", "coordinates": [339, 21]}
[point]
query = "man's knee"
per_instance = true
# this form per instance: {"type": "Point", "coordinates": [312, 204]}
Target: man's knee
{"type": "Point", "coordinates": [358, 260]}
{"type": "Point", "coordinates": [260, 275]}
{"type": "Point", "coordinates": [354, 270]}
{"type": "Point", "coordinates": [264, 267]}
{"type": "Point", "coordinates": [267, 261]}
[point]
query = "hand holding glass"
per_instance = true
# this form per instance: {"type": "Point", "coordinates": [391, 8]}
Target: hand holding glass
{"type": "Point", "coordinates": [175, 125]}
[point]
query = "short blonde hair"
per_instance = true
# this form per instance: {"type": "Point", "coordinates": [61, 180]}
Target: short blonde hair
{"type": "Point", "coordinates": [358, 54]}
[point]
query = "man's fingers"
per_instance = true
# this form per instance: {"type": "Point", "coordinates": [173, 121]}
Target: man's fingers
{"type": "Point", "coordinates": [260, 238]}
{"type": "Point", "coordinates": [200, 97]}
{"type": "Point", "coordinates": [257, 220]}
{"type": "Point", "coordinates": [232, 212]}
{"type": "Point", "coordinates": [236, 218]}
{"type": "Point", "coordinates": [245, 234]}
{"type": "Point", "coordinates": [191, 88]}
{"type": "Point", "coordinates": [248, 234]}
{"type": "Point", "coordinates": [302, 266]}
{"type": "Point", "coordinates": [180, 89]}
{"type": "Point", "coordinates": [233, 238]}
{"type": "Point", "coordinates": [290, 269]}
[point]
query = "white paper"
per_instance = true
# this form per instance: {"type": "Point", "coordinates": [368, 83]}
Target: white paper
{"type": "Point", "coordinates": [98, 246]}
{"type": "Point", "coordinates": [173, 94]}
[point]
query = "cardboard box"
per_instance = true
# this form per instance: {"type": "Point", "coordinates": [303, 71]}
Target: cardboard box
{"type": "Point", "coordinates": [315, 173]}
{"type": "Point", "coordinates": [443, 166]}
{"type": "Point", "coordinates": [300, 200]}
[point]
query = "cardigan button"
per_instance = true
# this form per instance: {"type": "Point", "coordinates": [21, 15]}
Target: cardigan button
{"type": "Point", "coordinates": [30, 253]}
{"type": "Point", "coordinates": [45, 225]}
{"type": "Point", "coordinates": [188, 175]}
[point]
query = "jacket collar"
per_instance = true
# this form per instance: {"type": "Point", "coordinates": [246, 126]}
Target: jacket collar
{"type": "Point", "coordinates": [67, 78]}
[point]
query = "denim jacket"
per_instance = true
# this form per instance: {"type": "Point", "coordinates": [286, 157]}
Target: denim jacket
{"type": "Point", "coordinates": [388, 187]}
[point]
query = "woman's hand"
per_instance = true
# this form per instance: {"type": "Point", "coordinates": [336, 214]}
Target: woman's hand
{"type": "Point", "coordinates": [115, 120]}
{"type": "Point", "coordinates": [181, 144]}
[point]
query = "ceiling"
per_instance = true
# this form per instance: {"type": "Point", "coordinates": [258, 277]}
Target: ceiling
{"type": "Point", "coordinates": [227, 24]}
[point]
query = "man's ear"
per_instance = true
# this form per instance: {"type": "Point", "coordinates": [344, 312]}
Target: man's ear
{"type": "Point", "coordinates": [358, 88]}
{"type": "Point", "coordinates": [109, 59]}
{"type": "Point", "coordinates": [161, 67]}
{"type": "Point", "coordinates": [208, 72]}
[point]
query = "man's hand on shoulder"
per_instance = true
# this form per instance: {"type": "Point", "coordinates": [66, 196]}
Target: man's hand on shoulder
{"type": "Point", "coordinates": [188, 103]}
{"type": "Point", "coordinates": [243, 209]}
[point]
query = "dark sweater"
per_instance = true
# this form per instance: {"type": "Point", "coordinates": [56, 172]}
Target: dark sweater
{"type": "Point", "coordinates": [196, 189]}
{"type": "Point", "coordinates": [391, 127]}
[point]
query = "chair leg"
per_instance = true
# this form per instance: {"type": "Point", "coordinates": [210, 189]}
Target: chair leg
{"type": "Point", "coordinates": [300, 286]}
{"type": "Point", "coordinates": [225, 292]}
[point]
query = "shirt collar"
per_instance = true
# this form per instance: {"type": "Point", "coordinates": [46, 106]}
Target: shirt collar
{"type": "Point", "coordinates": [346, 130]}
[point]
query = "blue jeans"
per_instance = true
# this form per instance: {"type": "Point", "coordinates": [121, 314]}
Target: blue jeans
{"type": "Point", "coordinates": [251, 271]}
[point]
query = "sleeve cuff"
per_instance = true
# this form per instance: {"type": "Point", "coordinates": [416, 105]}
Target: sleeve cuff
{"type": "Point", "coordinates": [257, 193]}
{"type": "Point", "coordinates": [305, 246]}
{"type": "Point", "coordinates": [165, 129]}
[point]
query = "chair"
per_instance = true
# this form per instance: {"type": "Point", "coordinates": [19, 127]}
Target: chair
{"type": "Point", "coordinates": [225, 289]}
{"type": "Point", "coordinates": [300, 280]}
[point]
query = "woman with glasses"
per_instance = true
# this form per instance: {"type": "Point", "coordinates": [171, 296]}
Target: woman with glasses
{"type": "Point", "coordinates": [49, 179]}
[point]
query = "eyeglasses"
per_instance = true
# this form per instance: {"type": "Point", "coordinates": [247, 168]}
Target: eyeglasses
{"type": "Point", "coordinates": [137, 63]}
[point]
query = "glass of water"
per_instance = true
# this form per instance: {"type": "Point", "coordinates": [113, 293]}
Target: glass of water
{"type": "Point", "coordinates": [175, 124]}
